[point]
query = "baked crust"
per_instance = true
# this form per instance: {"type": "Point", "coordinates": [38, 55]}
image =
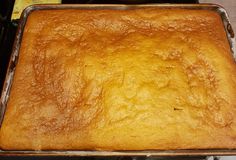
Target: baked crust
{"type": "Point", "coordinates": [122, 80]}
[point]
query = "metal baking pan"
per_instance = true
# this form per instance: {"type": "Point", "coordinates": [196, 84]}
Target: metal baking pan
{"type": "Point", "coordinates": [13, 62]}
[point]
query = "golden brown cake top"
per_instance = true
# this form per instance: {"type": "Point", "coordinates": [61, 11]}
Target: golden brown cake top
{"type": "Point", "coordinates": [122, 80]}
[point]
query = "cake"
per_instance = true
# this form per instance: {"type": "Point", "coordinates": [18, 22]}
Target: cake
{"type": "Point", "coordinates": [140, 79]}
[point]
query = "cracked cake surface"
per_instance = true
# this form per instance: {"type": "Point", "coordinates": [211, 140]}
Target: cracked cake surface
{"type": "Point", "coordinates": [122, 80]}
